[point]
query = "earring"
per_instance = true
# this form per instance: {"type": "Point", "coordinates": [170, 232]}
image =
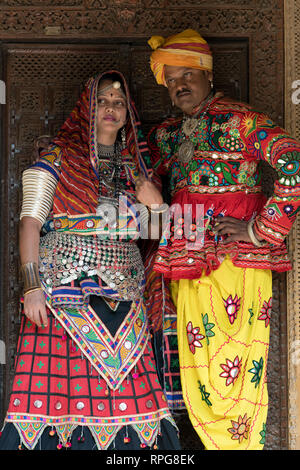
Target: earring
{"type": "Point", "coordinates": [123, 137]}
{"type": "Point", "coordinates": [211, 85]}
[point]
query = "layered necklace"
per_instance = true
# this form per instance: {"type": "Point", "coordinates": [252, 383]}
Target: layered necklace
{"type": "Point", "coordinates": [110, 167]}
{"type": "Point", "coordinates": [188, 129]}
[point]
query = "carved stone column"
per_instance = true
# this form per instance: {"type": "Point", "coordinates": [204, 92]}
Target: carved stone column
{"type": "Point", "coordinates": [292, 124]}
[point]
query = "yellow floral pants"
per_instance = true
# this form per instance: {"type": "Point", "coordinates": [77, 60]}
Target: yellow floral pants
{"type": "Point", "coordinates": [223, 341]}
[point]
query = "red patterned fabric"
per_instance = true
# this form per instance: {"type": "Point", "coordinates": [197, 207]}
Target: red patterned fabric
{"type": "Point", "coordinates": [77, 189]}
{"type": "Point", "coordinates": [157, 296]}
{"type": "Point", "coordinates": [63, 390]}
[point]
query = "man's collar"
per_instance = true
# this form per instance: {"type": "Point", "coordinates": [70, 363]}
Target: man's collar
{"type": "Point", "coordinates": [207, 102]}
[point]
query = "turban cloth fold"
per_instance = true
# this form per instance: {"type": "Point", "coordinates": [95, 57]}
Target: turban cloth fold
{"type": "Point", "coordinates": [186, 49]}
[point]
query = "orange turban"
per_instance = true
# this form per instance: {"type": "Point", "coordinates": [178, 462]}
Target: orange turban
{"type": "Point", "coordinates": [186, 49]}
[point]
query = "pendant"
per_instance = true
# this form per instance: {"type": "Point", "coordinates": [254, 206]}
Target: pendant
{"type": "Point", "coordinates": [189, 126]}
{"type": "Point", "coordinates": [186, 151]}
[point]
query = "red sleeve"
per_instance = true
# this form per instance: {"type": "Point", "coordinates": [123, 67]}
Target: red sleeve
{"type": "Point", "coordinates": [263, 139]}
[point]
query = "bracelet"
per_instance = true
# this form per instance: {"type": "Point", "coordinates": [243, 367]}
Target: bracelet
{"type": "Point", "coordinates": [32, 290]}
{"type": "Point", "coordinates": [160, 210]}
{"type": "Point", "coordinates": [31, 277]}
{"type": "Point", "coordinates": [252, 236]}
{"type": "Point", "coordinates": [38, 193]}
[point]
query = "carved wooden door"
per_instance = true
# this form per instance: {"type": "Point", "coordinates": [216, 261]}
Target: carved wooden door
{"type": "Point", "coordinates": [43, 84]}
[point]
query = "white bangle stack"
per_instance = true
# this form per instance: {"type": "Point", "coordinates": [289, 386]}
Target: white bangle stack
{"type": "Point", "coordinates": [38, 192]}
{"type": "Point", "coordinates": [252, 236]}
{"type": "Point", "coordinates": [160, 209]}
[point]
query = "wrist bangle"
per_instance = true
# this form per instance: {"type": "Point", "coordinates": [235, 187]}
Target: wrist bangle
{"type": "Point", "coordinates": [32, 290]}
{"type": "Point", "coordinates": [252, 236]}
{"type": "Point", "coordinates": [31, 277]}
{"type": "Point", "coordinates": [159, 210]}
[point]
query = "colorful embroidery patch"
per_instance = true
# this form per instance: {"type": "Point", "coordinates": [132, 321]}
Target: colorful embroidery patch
{"type": "Point", "coordinates": [240, 428]}
{"type": "Point", "coordinates": [256, 370]}
{"type": "Point", "coordinates": [207, 327]}
{"type": "Point", "coordinates": [232, 307]}
{"type": "Point", "coordinates": [194, 337]}
{"type": "Point", "coordinates": [231, 370]}
{"type": "Point", "coordinates": [265, 312]}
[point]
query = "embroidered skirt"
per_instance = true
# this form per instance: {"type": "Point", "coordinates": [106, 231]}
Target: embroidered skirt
{"type": "Point", "coordinates": [88, 381]}
{"type": "Point", "coordinates": [223, 341]}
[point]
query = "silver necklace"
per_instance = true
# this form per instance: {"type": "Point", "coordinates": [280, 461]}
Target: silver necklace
{"type": "Point", "coordinates": [188, 129]}
{"type": "Point", "coordinates": [105, 151]}
{"type": "Point", "coordinates": [109, 176]}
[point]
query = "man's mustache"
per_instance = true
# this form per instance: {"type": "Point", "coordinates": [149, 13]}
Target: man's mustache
{"type": "Point", "coordinates": [183, 90]}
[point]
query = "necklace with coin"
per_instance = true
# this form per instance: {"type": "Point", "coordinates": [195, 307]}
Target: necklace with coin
{"type": "Point", "coordinates": [188, 129]}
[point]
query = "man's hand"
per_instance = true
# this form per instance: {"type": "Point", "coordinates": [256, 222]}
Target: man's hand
{"type": "Point", "coordinates": [235, 229]}
{"type": "Point", "coordinates": [35, 307]}
{"type": "Point", "coordinates": [147, 193]}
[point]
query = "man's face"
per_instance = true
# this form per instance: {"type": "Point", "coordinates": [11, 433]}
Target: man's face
{"type": "Point", "coordinates": [187, 87]}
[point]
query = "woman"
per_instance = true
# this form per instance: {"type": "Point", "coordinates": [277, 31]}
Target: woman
{"type": "Point", "coordinates": [85, 371]}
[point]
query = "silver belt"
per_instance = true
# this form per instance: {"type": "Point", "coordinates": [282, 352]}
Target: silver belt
{"type": "Point", "coordinates": [64, 257]}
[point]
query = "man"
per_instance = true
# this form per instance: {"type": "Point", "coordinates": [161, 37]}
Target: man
{"type": "Point", "coordinates": [221, 287]}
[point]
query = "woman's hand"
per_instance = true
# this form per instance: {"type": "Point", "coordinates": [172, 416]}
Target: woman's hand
{"type": "Point", "coordinates": [40, 144]}
{"type": "Point", "coordinates": [35, 307]}
{"type": "Point", "coordinates": [237, 230]}
{"type": "Point", "coordinates": [147, 193]}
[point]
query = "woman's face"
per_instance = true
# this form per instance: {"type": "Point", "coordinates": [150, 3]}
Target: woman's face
{"type": "Point", "coordinates": [112, 109]}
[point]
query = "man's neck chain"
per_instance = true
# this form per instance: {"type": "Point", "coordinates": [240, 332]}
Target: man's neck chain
{"type": "Point", "coordinates": [188, 129]}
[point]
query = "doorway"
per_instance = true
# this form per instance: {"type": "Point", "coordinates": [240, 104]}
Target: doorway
{"type": "Point", "coordinates": [43, 84]}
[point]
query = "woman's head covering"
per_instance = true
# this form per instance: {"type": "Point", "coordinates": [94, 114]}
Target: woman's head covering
{"type": "Point", "coordinates": [80, 129]}
{"type": "Point", "coordinates": [186, 49]}
{"type": "Point", "coordinates": [78, 140]}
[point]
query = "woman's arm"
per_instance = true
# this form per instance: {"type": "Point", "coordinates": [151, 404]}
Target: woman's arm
{"type": "Point", "coordinates": [149, 195]}
{"type": "Point", "coordinates": [39, 185]}
{"type": "Point", "coordinates": [34, 301]}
